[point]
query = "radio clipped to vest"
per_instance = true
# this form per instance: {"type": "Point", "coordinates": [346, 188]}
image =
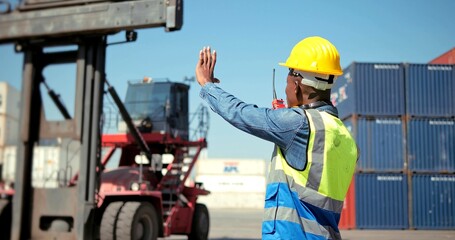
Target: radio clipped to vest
{"type": "Point", "coordinates": [276, 103]}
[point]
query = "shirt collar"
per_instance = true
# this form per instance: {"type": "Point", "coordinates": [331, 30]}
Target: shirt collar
{"type": "Point", "coordinates": [329, 109]}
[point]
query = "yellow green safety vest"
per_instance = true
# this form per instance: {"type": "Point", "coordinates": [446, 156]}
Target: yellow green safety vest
{"type": "Point", "coordinates": [307, 204]}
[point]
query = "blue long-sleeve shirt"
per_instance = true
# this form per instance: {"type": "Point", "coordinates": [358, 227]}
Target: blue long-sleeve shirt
{"type": "Point", "coordinates": [288, 128]}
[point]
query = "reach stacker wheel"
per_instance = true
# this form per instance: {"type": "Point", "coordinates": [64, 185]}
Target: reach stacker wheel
{"type": "Point", "coordinates": [201, 223]}
{"type": "Point", "coordinates": [109, 220]}
{"type": "Point", "coordinates": [137, 220]}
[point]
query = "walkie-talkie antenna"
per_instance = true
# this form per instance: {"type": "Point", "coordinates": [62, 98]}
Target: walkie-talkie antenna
{"type": "Point", "coordinates": [273, 82]}
{"type": "Point", "coordinates": [276, 103]}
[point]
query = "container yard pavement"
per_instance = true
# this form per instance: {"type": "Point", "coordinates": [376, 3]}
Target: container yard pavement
{"type": "Point", "coordinates": [245, 224]}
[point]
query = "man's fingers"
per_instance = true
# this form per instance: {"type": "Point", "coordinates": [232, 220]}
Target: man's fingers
{"type": "Point", "coordinates": [213, 60]}
{"type": "Point", "coordinates": [208, 57]}
{"type": "Point", "coordinates": [201, 57]}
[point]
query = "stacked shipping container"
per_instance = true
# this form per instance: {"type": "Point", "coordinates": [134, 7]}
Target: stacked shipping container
{"type": "Point", "coordinates": [53, 166]}
{"type": "Point", "coordinates": [370, 101]}
{"type": "Point", "coordinates": [402, 116]}
{"type": "Point", "coordinates": [430, 105]}
{"type": "Point", "coordinates": [54, 159]}
{"type": "Point", "coordinates": [9, 120]}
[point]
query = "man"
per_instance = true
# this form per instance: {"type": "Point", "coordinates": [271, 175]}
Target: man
{"type": "Point", "coordinates": [314, 157]}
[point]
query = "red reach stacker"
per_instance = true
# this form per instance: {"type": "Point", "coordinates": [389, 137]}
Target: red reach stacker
{"type": "Point", "coordinates": [138, 200]}
{"type": "Point", "coordinates": [146, 196]}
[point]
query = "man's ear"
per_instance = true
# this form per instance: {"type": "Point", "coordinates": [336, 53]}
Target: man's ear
{"type": "Point", "coordinates": [298, 92]}
{"type": "Point", "coordinates": [296, 87]}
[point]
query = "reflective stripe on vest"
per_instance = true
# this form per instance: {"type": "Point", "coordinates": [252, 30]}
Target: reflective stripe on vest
{"type": "Point", "coordinates": [310, 226]}
{"type": "Point", "coordinates": [322, 184]}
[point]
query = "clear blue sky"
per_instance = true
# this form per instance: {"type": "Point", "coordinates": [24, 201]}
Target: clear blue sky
{"type": "Point", "coordinates": [251, 37]}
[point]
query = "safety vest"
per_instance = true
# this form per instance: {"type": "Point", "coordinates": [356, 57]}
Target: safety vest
{"type": "Point", "coordinates": [307, 204]}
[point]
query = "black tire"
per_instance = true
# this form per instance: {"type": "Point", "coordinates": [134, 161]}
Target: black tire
{"type": "Point", "coordinates": [109, 220]}
{"type": "Point", "coordinates": [6, 218]}
{"type": "Point", "coordinates": [201, 223]}
{"type": "Point", "coordinates": [137, 220]}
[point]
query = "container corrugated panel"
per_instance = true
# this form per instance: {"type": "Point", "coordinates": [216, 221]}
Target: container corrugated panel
{"type": "Point", "coordinates": [430, 89]}
{"type": "Point", "coordinates": [9, 101]}
{"type": "Point", "coordinates": [9, 130]}
{"type": "Point", "coordinates": [381, 201]}
{"type": "Point", "coordinates": [374, 89]}
{"type": "Point", "coordinates": [347, 220]}
{"type": "Point", "coordinates": [431, 144]}
{"type": "Point", "coordinates": [433, 201]}
{"type": "Point", "coordinates": [381, 143]}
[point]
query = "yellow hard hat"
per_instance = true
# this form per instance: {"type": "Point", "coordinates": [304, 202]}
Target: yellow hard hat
{"type": "Point", "coordinates": [315, 54]}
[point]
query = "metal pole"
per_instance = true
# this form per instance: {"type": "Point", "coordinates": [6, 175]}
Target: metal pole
{"type": "Point", "coordinates": [30, 122]}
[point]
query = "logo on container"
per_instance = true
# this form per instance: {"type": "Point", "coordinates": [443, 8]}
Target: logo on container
{"type": "Point", "coordinates": [348, 77]}
{"type": "Point", "coordinates": [442, 179]}
{"type": "Point", "coordinates": [231, 167]}
{"type": "Point", "coordinates": [390, 178]}
{"type": "Point", "coordinates": [441, 68]}
{"type": "Point", "coordinates": [388, 121]}
{"type": "Point", "coordinates": [339, 96]}
{"type": "Point", "coordinates": [434, 122]}
{"type": "Point", "coordinates": [386, 66]}
{"type": "Point", "coordinates": [333, 98]}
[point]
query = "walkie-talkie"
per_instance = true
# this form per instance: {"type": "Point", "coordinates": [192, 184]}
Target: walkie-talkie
{"type": "Point", "coordinates": [276, 103]}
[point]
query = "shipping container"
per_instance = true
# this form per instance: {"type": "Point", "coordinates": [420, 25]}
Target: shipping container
{"type": "Point", "coordinates": [381, 201]}
{"type": "Point", "coordinates": [429, 90]}
{"type": "Point", "coordinates": [347, 220]}
{"type": "Point", "coordinates": [231, 166]}
{"type": "Point", "coordinates": [433, 197]}
{"type": "Point", "coordinates": [9, 101]}
{"type": "Point", "coordinates": [381, 142]}
{"type": "Point", "coordinates": [9, 163]}
{"type": "Point", "coordinates": [370, 89]}
{"type": "Point", "coordinates": [52, 166]}
{"type": "Point", "coordinates": [445, 58]}
{"type": "Point", "coordinates": [233, 183]}
{"type": "Point", "coordinates": [233, 191]}
{"type": "Point", "coordinates": [233, 200]}
{"type": "Point", "coordinates": [431, 144]}
{"type": "Point", "coordinates": [9, 130]}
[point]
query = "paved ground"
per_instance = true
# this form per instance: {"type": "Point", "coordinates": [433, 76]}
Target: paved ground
{"type": "Point", "coordinates": [245, 224]}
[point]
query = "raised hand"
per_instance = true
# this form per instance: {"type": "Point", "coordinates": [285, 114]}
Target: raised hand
{"type": "Point", "coordinates": [206, 66]}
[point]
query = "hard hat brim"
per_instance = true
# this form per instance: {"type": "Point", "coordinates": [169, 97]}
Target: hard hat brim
{"type": "Point", "coordinates": [333, 72]}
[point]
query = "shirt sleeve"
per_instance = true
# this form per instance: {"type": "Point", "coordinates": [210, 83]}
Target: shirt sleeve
{"type": "Point", "coordinates": [278, 126]}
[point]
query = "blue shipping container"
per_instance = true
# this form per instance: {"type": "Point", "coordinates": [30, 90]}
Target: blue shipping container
{"type": "Point", "coordinates": [381, 201]}
{"type": "Point", "coordinates": [381, 143]}
{"type": "Point", "coordinates": [433, 197]}
{"type": "Point", "coordinates": [430, 90]}
{"type": "Point", "coordinates": [372, 89]}
{"type": "Point", "coordinates": [431, 144]}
